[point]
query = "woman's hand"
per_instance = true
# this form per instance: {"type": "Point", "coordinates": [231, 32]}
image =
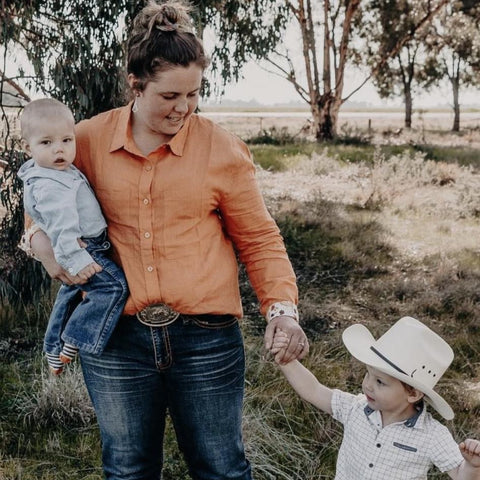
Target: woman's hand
{"type": "Point", "coordinates": [294, 344]}
{"type": "Point", "coordinates": [43, 250]}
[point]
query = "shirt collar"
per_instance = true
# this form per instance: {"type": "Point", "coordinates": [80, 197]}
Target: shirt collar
{"type": "Point", "coordinates": [416, 419]}
{"type": "Point", "coordinates": [121, 129]}
{"type": "Point", "coordinates": [66, 177]}
{"type": "Point", "coordinates": [122, 137]}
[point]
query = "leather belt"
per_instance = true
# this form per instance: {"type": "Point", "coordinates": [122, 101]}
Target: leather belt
{"type": "Point", "coordinates": [159, 315]}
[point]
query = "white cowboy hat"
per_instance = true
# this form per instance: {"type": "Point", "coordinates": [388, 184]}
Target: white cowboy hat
{"type": "Point", "coordinates": [408, 351]}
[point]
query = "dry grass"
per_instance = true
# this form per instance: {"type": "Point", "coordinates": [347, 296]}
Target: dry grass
{"type": "Point", "coordinates": [51, 400]}
{"type": "Point", "coordinates": [426, 207]}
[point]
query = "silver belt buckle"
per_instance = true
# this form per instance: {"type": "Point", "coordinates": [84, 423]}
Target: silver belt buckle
{"type": "Point", "coordinates": [159, 315]}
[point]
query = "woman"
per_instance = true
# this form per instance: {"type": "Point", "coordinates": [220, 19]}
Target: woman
{"type": "Point", "coordinates": [177, 192]}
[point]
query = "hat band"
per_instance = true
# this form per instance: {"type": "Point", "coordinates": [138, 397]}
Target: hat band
{"type": "Point", "coordinates": [387, 360]}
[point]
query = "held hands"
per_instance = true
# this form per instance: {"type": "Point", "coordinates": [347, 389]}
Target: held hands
{"type": "Point", "coordinates": [285, 339]}
{"type": "Point", "coordinates": [470, 449]}
{"type": "Point", "coordinates": [280, 342]}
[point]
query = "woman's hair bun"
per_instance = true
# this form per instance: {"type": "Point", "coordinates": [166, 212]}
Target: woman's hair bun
{"type": "Point", "coordinates": [169, 16]}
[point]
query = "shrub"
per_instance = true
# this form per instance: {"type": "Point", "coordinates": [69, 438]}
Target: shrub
{"type": "Point", "coordinates": [272, 136]}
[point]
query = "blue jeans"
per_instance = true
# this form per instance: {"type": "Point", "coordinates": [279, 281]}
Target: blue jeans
{"type": "Point", "coordinates": [195, 369]}
{"type": "Point", "coordinates": [87, 323]}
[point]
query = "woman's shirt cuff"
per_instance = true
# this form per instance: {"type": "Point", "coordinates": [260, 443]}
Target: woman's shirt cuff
{"type": "Point", "coordinates": [280, 309]}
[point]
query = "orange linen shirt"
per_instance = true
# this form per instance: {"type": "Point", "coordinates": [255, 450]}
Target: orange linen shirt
{"type": "Point", "coordinates": [173, 216]}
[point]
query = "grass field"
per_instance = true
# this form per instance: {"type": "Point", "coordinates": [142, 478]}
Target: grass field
{"type": "Point", "coordinates": [383, 225]}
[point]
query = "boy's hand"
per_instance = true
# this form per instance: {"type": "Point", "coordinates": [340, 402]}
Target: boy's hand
{"type": "Point", "coordinates": [89, 271]}
{"type": "Point", "coordinates": [280, 343]}
{"type": "Point", "coordinates": [297, 346]}
{"type": "Point", "coordinates": [470, 449]}
{"type": "Point", "coordinates": [280, 340]}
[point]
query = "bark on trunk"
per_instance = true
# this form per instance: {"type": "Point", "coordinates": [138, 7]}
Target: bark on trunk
{"type": "Point", "coordinates": [456, 106]}
{"type": "Point", "coordinates": [326, 118]}
{"type": "Point", "coordinates": [408, 107]}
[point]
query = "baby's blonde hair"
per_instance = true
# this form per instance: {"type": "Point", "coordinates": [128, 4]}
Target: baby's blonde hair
{"type": "Point", "coordinates": [41, 110]}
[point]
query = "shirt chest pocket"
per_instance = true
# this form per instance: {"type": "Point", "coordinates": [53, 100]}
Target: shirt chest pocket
{"type": "Point", "coordinates": [406, 459]}
{"type": "Point", "coordinates": [405, 447]}
{"type": "Point", "coordinates": [119, 204]}
{"type": "Point", "coordinates": [115, 181]}
{"type": "Point", "coordinates": [181, 219]}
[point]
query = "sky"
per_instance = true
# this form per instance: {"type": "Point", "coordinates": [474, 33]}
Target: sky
{"type": "Point", "coordinates": [268, 89]}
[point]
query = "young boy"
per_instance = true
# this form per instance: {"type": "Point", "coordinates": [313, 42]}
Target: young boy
{"type": "Point", "coordinates": [61, 202]}
{"type": "Point", "coordinates": [388, 434]}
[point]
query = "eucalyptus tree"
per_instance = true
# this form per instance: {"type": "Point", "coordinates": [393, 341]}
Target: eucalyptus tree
{"type": "Point", "coordinates": [77, 53]}
{"type": "Point", "coordinates": [384, 24]}
{"type": "Point", "coordinates": [327, 29]}
{"type": "Point", "coordinates": [242, 30]}
{"type": "Point", "coordinates": [454, 42]}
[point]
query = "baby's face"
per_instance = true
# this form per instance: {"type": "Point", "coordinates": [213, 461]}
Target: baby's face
{"type": "Point", "coordinates": [51, 143]}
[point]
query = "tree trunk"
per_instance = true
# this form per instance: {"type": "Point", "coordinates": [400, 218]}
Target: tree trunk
{"type": "Point", "coordinates": [325, 118]}
{"type": "Point", "coordinates": [456, 105]}
{"type": "Point", "coordinates": [408, 106]}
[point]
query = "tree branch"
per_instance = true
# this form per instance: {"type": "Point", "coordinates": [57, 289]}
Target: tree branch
{"type": "Point", "coordinates": [15, 85]}
{"type": "Point", "coordinates": [399, 45]}
{"type": "Point", "coordinates": [290, 77]}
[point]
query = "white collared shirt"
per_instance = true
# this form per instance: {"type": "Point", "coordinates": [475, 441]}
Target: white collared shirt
{"type": "Point", "coordinates": [399, 451]}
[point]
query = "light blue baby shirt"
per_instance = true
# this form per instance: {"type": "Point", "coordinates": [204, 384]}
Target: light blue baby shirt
{"type": "Point", "coordinates": [63, 205]}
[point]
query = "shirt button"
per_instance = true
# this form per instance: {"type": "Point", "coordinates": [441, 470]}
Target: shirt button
{"type": "Point", "coordinates": [370, 465]}
{"type": "Point", "coordinates": [150, 268]}
{"type": "Point", "coordinates": [378, 445]}
{"type": "Point", "coordinates": [147, 234]}
{"type": "Point", "coordinates": [145, 201]}
{"type": "Point", "coordinates": [148, 168]}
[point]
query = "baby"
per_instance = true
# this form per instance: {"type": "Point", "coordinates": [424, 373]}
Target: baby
{"type": "Point", "coordinates": [61, 202]}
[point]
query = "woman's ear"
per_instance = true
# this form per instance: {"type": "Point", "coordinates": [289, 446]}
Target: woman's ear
{"type": "Point", "coordinates": [133, 82]}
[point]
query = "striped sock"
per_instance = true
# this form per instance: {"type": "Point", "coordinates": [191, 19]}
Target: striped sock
{"type": "Point", "coordinates": [68, 353]}
{"type": "Point", "coordinates": [56, 366]}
